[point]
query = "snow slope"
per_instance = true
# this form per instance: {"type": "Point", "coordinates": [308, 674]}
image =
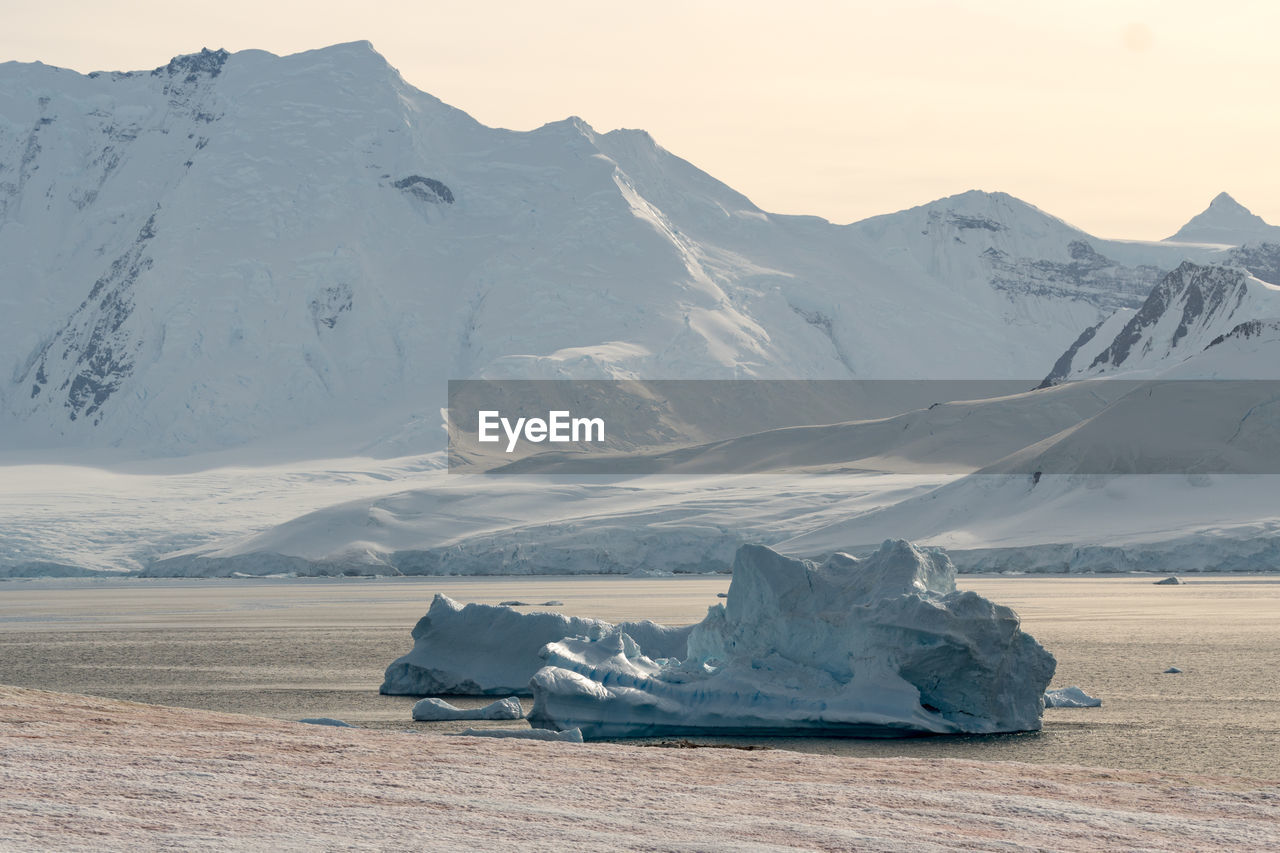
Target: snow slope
{"type": "Point", "coordinates": [1078, 523]}
{"type": "Point", "coordinates": [239, 246]}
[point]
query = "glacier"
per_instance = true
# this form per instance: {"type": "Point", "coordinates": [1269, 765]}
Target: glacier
{"type": "Point", "coordinates": [483, 649]}
{"type": "Point", "coordinates": [882, 646]}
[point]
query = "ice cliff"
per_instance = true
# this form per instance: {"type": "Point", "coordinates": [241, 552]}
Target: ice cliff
{"type": "Point", "coordinates": [879, 646]}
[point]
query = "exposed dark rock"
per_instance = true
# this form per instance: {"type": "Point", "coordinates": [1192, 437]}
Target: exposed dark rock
{"type": "Point", "coordinates": [96, 350]}
{"type": "Point", "coordinates": [329, 304]}
{"type": "Point", "coordinates": [1062, 367]}
{"type": "Point", "coordinates": [1262, 260]}
{"type": "Point", "coordinates": [1246, 330]}
{"type": "Point", "coordinates": [426, 189]}
{"type": "Point", "coordinates": [1088, 277]}
{"type": "Point", "coordinates": [968, 222]}
{"type": "Point", "coordinates": [193, 64]}
{"type": "Point", "coordinates": [1200, 289]}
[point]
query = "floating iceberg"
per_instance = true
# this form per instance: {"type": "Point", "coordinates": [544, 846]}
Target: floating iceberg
{"type": "Point", "coordinates": [570, 736]}
{"type": "Point", "coordinates": [326, 721]}
{"type": "Point", "coordinates": [1172, 580]}
{"type": "Point", "coordinates": [434, 710]}
{"type": "Point", "coordinates": [1070, 697]}
{"type": "Point", "coordinates": [481, 649]}
{"type": "Point", "coordinates": [883, 646]}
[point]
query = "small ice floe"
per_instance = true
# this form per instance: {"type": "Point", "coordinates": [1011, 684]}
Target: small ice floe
{"type": "Point", "coordinates": [480, 649]}
{"type": "Point", "coordinates": [513, 604]}
{"type": "Point", "coordinates": [722, 595]}
{"type": "Point", "coordinates": [1070, 697]}
{"type": "Point", "coordinates": [552, 604]}
{"type": "Point", "coordinates": [568, 736]}
{"type": "Point", "coordinates": [326, 721]}
{"type": "Point", "coordinates": [1172, 669]}
{"type": "Point", "coordinates": [1169, 581]}
{"type": "Point", "coordinates": [434, 710]}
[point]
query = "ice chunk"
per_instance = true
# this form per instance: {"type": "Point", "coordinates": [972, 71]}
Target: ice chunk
{"type": "Point", "coordinates": [431, 710]}
{"type": "Point", "coordinates": [1172, 669]}
{"type": "Point", "coordinates": [326, 721]}
{"type": "Point", "coordinates": [569, 736]}
{"type": "Point", "coordinates": [480, 649]}
{"type": "Point", "coordinates": [1169, 581]}
{"type": "Point", "coordinates": [882, 646]}
{"type": "Point", "coordinates": [1070, 697]}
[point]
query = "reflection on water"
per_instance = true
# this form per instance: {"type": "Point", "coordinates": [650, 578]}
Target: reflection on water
{"type": "Point", "coordinates": [317, 647]}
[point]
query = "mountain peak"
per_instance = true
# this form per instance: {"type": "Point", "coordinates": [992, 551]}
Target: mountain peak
{"type": "Point", "coordinates": [1226, 221]}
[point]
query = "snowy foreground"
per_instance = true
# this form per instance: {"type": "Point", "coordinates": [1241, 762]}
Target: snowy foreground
{"type": "Point", "coordinates": [81, 773]}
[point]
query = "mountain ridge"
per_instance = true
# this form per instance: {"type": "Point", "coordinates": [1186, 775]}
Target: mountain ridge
{"type": "Point", "coordinates": [233, 246]}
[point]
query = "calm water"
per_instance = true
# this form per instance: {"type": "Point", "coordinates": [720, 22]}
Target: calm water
{"type": "Point", "coordinates": [317, 647]}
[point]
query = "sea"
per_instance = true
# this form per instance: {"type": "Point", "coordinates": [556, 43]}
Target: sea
{"type": "Point", "coordinates": [293, 648]}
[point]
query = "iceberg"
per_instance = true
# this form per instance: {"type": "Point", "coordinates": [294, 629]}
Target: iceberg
{"type": "Point", "coordinates": [882, 646]}
{"type": "Point", "coordinates": [570, 736]}
{"type": "Point", "coordinates": [1070, 697]}
{"type": "Point", "coordinates": [326, 721]}
{"type": "Point", "coordinates": [482, 649]}
{"type": "Point", "coordinates": [435, 710]}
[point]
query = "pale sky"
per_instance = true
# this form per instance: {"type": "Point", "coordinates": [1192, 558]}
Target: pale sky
{"type": "Point", "coordinates": [1124, 117]}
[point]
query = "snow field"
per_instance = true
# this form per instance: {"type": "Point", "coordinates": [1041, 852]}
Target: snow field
{"type": "Point", "coordinates": [84, 774]}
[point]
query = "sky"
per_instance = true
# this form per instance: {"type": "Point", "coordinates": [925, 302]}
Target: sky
{"type": "Point", "coordinates": [1124, 117]}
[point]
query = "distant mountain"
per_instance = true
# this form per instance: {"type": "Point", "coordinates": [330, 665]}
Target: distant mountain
{"type": "Point", "coordinates": [1226, 221]}
{"type": "Point", "coordinates": [238, 247]}
{"type": "Point", "coordinates": [1192, 308]}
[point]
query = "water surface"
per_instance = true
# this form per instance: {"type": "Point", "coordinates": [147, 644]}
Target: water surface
{"type": "Point", "coordinates": [317, 647]}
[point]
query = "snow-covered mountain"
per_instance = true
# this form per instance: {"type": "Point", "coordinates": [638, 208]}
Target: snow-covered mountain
{"type": "Point", "coordinates": [239, 246]}
{"type": "Point", "coordinates": [1191, 310]}
{"type": "Point", "coordinates": [1226, 221]}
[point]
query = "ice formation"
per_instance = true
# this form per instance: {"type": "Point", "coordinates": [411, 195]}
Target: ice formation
{"type": "Point", "coordinates": [326, 721]}
{"type": "Point", "coordinates": [434, 710]}
{"type": "Point", "coordinates": [481, 649]}
{"type": "Point", "coordinates": [880, 646]}
{"type": "Point", "coordinates": [568, 736]}
{"type": "Point", "coordinates": [1070, 697]}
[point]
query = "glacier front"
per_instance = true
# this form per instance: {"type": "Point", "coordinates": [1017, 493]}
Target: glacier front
{"type": "Point", "coordinates": [883, 646]}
